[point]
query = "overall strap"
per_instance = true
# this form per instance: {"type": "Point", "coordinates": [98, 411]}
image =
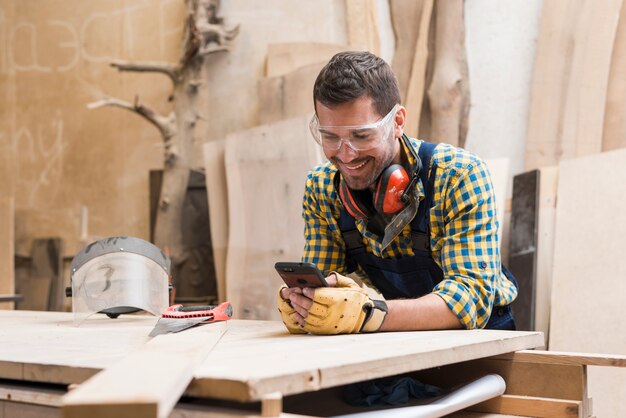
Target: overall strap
{"type": "Point", "coordinates": [420, 226]}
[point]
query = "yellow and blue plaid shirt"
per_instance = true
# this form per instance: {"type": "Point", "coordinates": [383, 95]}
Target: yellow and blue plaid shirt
{"type": "Point", "coordinates": [463, 233]}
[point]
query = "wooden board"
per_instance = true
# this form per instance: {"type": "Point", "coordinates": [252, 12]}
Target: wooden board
{"type": "Point", "coordinates": [523, 246]}
{"type": "Point", "coordinates": [289, 95]}
{"type": "Point", "coordinates": [589, 267]}
{"type": "Point", "coordinates": [614, 132]}
{"type": "Point", "coordinates": [253, 359]}
{"type": "Point", "coordinates": [416, 88]}
{"type": "Point", "coordinates": [7, 250]}
{"type": "Point", "coordinates": [147, 382]}
{"type": "Point", "coordinates": [47, 261]}
{"type": "Point", "coordinates": [215, 173]}
{"type": "Point", "coordinates": [266, 171]}
{"type": "Point", "coordinates": [283, 58]}
{"type": "Point", "coordinates": [545, 247]}
{"type": "Point", "coordinates": [570, 78]}
{"type": "Point", "coordinates": [362, 25]}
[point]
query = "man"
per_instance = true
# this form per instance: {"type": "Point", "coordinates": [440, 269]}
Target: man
{"type": "Point", "coordinates": [415, 221]}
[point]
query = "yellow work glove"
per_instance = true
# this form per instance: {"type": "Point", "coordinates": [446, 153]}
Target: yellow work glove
{"type": "Point", "coordinates": [344, 309]}
{"type": "Point", "coordinates": [286, 314]}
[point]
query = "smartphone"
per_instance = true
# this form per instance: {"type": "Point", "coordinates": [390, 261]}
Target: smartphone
{"type": "Point", "coordinates": [296, 274]}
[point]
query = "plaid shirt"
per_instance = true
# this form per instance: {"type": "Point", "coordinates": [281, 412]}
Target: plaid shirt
{"type": "Point", "coordinates": [463, 227]}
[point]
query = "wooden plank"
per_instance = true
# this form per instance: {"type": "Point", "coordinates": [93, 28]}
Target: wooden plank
{"type": "Point", "coordinates": [533, 406]}
{"type": "Point", "coordinates": [406, 22]}
{"type": "Point", "coordinates": [218, 209]}
{"type": "Point", "coordinates": [556, 357]}
{"type": "Point", "coordinates": [414, 97]}
{"type": "Point", "coordinates": [266, 171]}
{"type": "Point", "coordinates": [523, 246]}
{"type": "Point", "coordinates": [284, 58]}
{"type": "Point", "coordinates": [523, 378]}
{"type": "Point", "coordinates": [289, 95]}
{"type": "Point", "coordinates": [587, 291]}
{"type": "Point", "coordinates": [36, 293]}
{"type": "Point", "coordinates": [362, 24]}
{"type": "Point", "coordinates": [7, 250]}
{"type": "Point", "coordinates": [570, 78]}
{"type": "Point", "coordinates": [149, 381]}
{"type": "Point", "coordinates": [614, 132]}
{"type": "Point", "coordinates": [47, 261]}
{"type": "Point", "coordinates": [548, 179]}
{"type": "Point", "coordinates": [280, 362]}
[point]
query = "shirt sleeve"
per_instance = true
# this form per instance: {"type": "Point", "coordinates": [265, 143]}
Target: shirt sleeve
{"type": "Point", "coordinates": [470, 257]}
{"type": "Point", "coordinates": [323, 244]}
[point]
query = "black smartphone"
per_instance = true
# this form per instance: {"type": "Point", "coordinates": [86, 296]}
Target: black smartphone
{"type": "Point", "coordinates": [296, 274]}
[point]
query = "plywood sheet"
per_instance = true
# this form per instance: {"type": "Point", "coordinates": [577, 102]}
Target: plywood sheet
{"type": "Point", "coordinates": [614, 133]}
{"type": "Point", "coordinates": [148, 382]}
{"type": "Point", "coordinates": [253, 358]}
{"type": "Point", "coordinates": [266, 171]}
{"type": "Point", "coordinates": [548, 179]}
{"type": "Point", "coordinates": [289, 95]}
{"type": "Point", "coordinates": [217, 196]}
{"type": "Point", "coordinates": [589, 268]}
{"type": "Point", "coordinates": [285, 57]}
{"type": "Point", "coordinates": [7, 250]}
{"type": "Point", "coordinates": [570, 80]}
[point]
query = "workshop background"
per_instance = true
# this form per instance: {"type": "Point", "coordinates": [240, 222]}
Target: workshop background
{"type": "Point", "coordinates": [537, 88]}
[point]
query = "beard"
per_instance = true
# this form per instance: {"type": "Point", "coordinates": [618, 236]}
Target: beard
{"type": "Point", "coordinates": [367, 175]}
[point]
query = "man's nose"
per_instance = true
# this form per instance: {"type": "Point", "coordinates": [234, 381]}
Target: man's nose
{"type": "Point", "coordinates": [345, 152]}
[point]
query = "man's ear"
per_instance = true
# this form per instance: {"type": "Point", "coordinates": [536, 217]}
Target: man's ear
{"type": "Point", "coordinates": [400, 120]}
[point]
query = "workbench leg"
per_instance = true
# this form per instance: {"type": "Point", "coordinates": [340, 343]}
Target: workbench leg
{"type": "Point", "coordinates": [272, 404]}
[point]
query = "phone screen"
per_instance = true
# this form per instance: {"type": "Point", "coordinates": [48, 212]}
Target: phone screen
{"type": "Point", "coordinates": [296, 274]}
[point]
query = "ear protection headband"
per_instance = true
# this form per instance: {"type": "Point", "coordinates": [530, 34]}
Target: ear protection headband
{"type": "Point", "coordinates": [391, 194]}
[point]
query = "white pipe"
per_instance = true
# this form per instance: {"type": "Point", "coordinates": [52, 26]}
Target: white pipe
{"type": "Point", "coordinates": [480, 390]}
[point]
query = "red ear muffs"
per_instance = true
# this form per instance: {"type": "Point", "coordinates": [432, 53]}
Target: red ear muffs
{"type": "Point", "coordinates": [389, 190]}
{"type": "Point", "coordinates": [387, 198]}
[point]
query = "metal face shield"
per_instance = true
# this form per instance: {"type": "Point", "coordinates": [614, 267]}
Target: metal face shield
{"type": "Point", "coordinates": [357, 137]}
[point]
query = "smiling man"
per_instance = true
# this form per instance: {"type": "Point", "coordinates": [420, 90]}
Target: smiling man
{"type": "Point", "coordinates": [415, 221]}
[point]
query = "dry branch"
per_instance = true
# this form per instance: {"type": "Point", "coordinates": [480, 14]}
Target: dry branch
{"type": "Point", "coordinates": [165, 125]}
{"type": "Point", "coordinates": [169, 70]}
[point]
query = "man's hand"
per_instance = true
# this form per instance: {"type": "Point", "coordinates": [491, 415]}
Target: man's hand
{"type": "Point", "coordinates": [342, 308]}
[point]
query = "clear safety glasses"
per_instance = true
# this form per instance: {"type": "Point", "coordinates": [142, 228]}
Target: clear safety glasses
{"type": "Point", "coordinates": [357, 137]}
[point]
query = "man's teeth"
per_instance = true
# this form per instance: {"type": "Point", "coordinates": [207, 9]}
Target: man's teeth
{"type": "Point", "coordinates": [356, 167]}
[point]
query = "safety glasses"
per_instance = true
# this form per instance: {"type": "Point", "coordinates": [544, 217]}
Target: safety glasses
{"type": "Point", "coordinates": [357, 137]}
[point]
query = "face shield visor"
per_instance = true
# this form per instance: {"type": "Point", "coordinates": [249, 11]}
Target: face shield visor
{"type": "Point", "coordinates": [119, 275]}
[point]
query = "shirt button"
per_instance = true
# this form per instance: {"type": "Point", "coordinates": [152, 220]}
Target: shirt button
{"type": "Point", "coordinates": [483, 265]}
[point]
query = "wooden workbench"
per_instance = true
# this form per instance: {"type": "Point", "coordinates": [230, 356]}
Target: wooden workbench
{"type": "Point", "coordinates": [255, 360]}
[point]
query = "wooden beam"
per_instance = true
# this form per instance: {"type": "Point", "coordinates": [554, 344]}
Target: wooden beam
{"type": "Point", "coordinates": [558, 357]}
{"type": "Point", "coordinates": [531, 406]}
{"type": "Point", "coordinates": [417, 80]}
{"type": "Point", "coordinates": [148, 382]}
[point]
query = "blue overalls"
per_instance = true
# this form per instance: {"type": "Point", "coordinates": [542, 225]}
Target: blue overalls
{"type": "Point", "coordinates": [411, 276]}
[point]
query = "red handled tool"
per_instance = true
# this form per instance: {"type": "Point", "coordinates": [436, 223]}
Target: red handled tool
{"type": "Point", "coordinates": [178, 317]}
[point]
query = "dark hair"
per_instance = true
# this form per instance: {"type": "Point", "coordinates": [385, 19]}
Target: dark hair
{"type": "Point", "coordinates": [352, 74]}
